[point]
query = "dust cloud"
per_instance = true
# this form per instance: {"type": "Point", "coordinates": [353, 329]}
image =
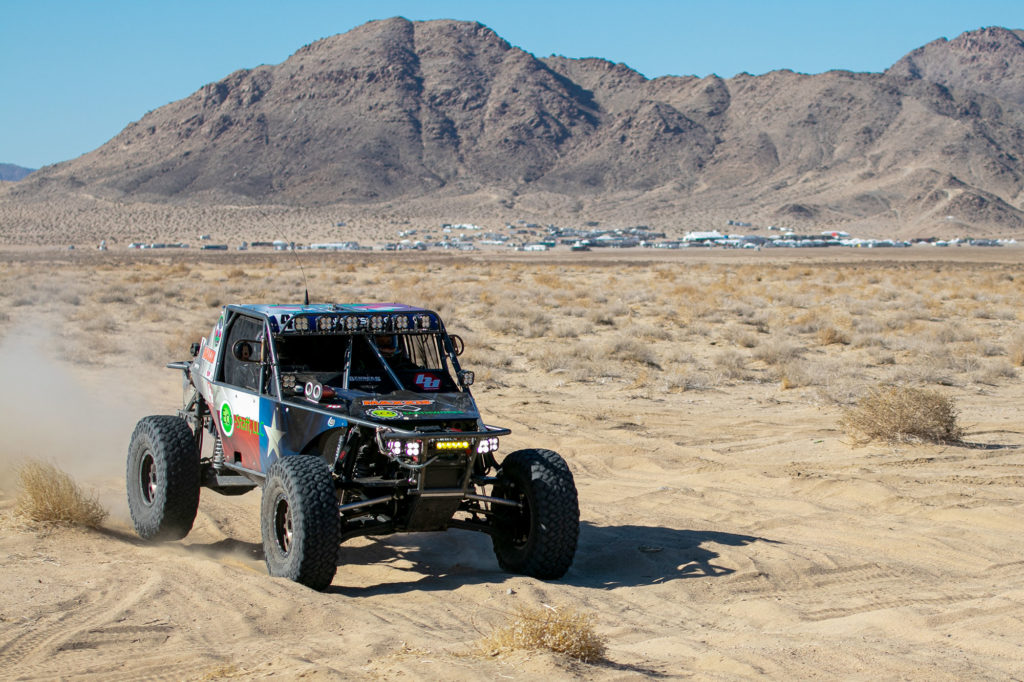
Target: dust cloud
{"type": "Point", "coordinates": [50, 414]}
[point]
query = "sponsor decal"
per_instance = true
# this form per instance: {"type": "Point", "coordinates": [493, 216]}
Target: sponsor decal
{"type": "Point", "coordinates": [227, 420]}
{"type": "Point", "coordinates": [218, 331]}
{"type": "Point", "coordinates": [366, 378]}
{"type": "Point", "coordinates": [397, 403]}
{"type": "Point", "coordinates": [246, 425]}
{"type": "Point", "coordinates": [209, 354]}
{"type": "Point", "coordinates": [384, 414]}
{"type": "Point", "coordinates": [330, 421]}
{"type": "Point", "coordinates": [377, 308]}
{"type": "Point", "coordinates": [428, 382]}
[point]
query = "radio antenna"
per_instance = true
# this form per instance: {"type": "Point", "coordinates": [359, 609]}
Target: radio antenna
{"type": "Point", "coordinates": [298, 261]}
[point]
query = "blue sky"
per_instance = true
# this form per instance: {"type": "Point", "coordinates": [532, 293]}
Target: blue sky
{"type": "Point", "coordinates": [73, 73]}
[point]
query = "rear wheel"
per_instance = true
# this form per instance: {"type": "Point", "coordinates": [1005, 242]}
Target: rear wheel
{"type": "Point", "coordinates": [300, 522]}
{"type": "Point", "coordinates": [163, 478]}
{"type": "Point", "coordinates": [539, 537]}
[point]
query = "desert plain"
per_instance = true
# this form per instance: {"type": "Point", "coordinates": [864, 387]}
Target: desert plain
{"type": "Point", "coordinates": [730, 527]}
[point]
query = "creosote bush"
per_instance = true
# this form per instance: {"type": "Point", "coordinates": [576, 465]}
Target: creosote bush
{"type": "Point", "coordinates": [900, 414]}
{"type": "Point", "coordinates": [48, 494]}
{"type": "Point", "coordinates": [565, 631]}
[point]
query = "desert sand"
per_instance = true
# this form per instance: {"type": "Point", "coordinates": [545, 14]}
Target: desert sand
{"type": "Point", "coordinates": [730, 529]}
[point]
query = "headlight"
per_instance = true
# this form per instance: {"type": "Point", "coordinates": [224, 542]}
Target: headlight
{"type": "Point", "coordinates": [302, 324]}
{"type": "Point", "coordinates": [487, 445]}
{"type": "Point", "coordinates": [449, 445]}
{"type": "Point", "coordinates": [409, 448]}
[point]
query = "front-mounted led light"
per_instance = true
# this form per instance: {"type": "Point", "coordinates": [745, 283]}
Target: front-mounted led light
{"type": "Point", "coordinates": [410, 449]}
{"type": "Point", "coordinates": [450, 445]}
{"type": "Point", "coordinates": [422, 321]}
{"type": "Point", "coordinates": [377, 323]}
{"type": "Point", "coordinates": [301, 323]}
{"type": "Point", "coordinates": [401, 322]}
{"type": "Point", "coordinates": [351, 323]}
{"type": "Point", "coordinates": [487, 445]}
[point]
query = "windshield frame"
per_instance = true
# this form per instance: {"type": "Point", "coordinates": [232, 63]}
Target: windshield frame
{"type": "Point", "coordinates": [440, 347]}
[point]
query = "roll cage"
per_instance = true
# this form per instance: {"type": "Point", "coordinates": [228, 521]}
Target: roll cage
{"type": "Point", "coordinates": [344, 351]}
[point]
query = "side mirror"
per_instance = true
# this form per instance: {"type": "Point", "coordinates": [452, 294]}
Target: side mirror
{"type": "Point", "coordinates": [466, 378]}
{"type": "Point", "coordinates": [194, 349]}
{"type": "Point", "coordinates": [458, 345]}
{"type": "Point", "coordinates": [246, 351]}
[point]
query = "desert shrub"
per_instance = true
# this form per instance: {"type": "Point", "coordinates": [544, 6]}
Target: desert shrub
{"type": "Point", "coordinates": [990, 350]}
{"type": "Point", "coordinates": [795, 374]}
{"type": "Point", "coordinates": [899, 320]}
{"type": "Point", "coordinates": [565, 631]}
{"type": "Point", "coordinates": [901, 414]}
{"type": "Point", "coordinates": [48, 494]}
{"type": "Point", "coordinates": [953, 333]}
{"type": "Point", "coordinates": [601, 316]}
{"type": "Point", "coordinates": [537, 325]}
{"type": "Point", "coordinates": [565, 330]}
{"type": "Point", "coordinates": [732, 364]}
{"type": "Point", "coordinates": [830, 335]}
{"type": "Point", "coordinates": [991, 373]}
{"type": "Point", "coordinates": [740, 336]}
{"type": "Point", "coordinates": [650, 332]}
{"type": "Point", "coordinates": [778, 352]}
{"type": "Point", "coordinates": [807, 322]}
{"type": "Point", "coordinates": [689, 380]}
{"type": "Point", "coordinates": [1015, 350]}
{"type": "Point", "coordinates": [631, 350]}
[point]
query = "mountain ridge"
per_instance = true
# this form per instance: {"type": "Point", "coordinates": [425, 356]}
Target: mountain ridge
{"type": "Point", "coordinates": [424, 113]}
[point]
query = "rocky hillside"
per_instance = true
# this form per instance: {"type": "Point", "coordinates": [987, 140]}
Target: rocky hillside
{"type": "Point", "coordinates": [439, 113]}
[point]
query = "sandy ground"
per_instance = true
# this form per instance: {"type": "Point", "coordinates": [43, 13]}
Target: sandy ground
{"type": "Point", "coordinates": [729, 533]}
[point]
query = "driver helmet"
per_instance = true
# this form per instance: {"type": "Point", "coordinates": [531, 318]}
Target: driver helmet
{"type": "Point", "coordinates": [387, 344]}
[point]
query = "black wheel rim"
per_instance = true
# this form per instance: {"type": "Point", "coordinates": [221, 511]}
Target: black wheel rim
{"type": "Point", "coordinates": [283, 525]}
{"type": "Point", "coordinates": [147, 478]}
{"type": "Point", "coordinates": [519, 520]}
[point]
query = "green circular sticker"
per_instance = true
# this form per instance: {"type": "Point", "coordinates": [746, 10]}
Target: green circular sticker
{"type": "Point", "coordinates": [384, 414]}
{"type": "Point", "coordinates": [227, 420]}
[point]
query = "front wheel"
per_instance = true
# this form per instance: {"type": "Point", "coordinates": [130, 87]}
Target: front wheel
{"type": "Point", "coordinates": [163, 478]}
{"type": "Point", "coordinates": [539, 537]}
{"type": "Point", "coordinates": [300, 522]}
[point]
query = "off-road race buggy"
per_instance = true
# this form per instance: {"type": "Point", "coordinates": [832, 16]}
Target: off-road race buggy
{"type": "Point", "coordinates": [354, 419]}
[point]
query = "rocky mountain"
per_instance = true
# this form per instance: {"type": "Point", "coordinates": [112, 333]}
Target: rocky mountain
{"type": "Point", "coordinates": [12, 173]}
{"type": "Point", "coordinates": [437, 113]}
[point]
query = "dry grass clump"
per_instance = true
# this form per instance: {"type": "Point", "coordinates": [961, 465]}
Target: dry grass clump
{"type": "Point", "coordinates": [731, 364]}
{"type": "Point", "coordinates": [900, 414]}
{"type": "Point", "coordinates": [778, 352]}
{"type": "Point", "coordinates": [1016, 350]}
{"type": "Point", "coordinates": [830, 335]}
{"type": "Point", "coordinates": [564, 631]}
{"type": "Point", "coordinates": [631, 350]}
{"type": "Point", "coordinates": [49, 495]}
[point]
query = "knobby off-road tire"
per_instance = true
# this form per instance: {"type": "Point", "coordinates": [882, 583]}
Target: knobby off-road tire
{"type": "Point", "coordinates": [539, 539]}
{"type": "Point", "coordinates": [163, 478]}
{"type": "Point", "coordinates": [300, 522]}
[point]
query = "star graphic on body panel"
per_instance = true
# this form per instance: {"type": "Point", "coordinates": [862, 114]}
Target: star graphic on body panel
{"type": "Point", "coordinates": [274, 436]}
